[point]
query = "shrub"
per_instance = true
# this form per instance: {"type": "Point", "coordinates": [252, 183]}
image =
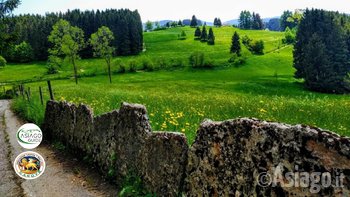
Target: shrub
{"type": "Point", "coordinates": [2, 62]}
{"type": "Point", "coordinates": [159, 28]}
{"type": "Point", "coordinates": [197, 59]}
{"type": "Point", "coordinates": [162, 62]}
{"type": "Point", "coordinates": [51, 69]}
{"type": "Point", "coordinates": [289, 36]}
{"type": "Point", "coordinates": [246, 41]}
{"type": "Point", "coordinates": [53, 63]}
{"type": "Point", "coordinates": [208, 63]}
{"type": "Point", "coordinates": [23, 52]}
{"type": "Point", "coordinates": [237, 60]}
{"type": "Point", "coordinates": [147, 64]}
{"type": "Point", "coordinates": [133, 186]}
{"type": "Point", "coordinates": [176, 62]}
{"type": "Point", "coordinates": [120, 65]}
{"type": "Point", "coordinates": [182, 36]}
{"type": "Point", "coordinates": [257, 47]}
{"type": "Point", "coordinates": [133, 66]}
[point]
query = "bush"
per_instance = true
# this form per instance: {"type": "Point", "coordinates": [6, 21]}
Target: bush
{"type": "Point", "coordinates": [2, 61]}
{"type": "Point", "coordinates": [162, 62]}
{"type": "Point", "coordinates": [53, 63]}
{"type": "Point", "coordinates": [133, 186]}
{"type": "Point", "coordinates": [120, 65]}
{"type": "Point", "coordinates": [246, 41]}
{"type": "Point", "coordinates": [257, 47]}
{"type": "Point", "coordinates": [176, 62]}
{"type": "Point", "coordinates": [197, 59]}
{"type": "Point", "coordinates": [23, 53]}
{"type": "Point", "coordinates": [182, 36]}
{"type": "Point", "coordinates": [147, 64]}
{"type": "Point", "coordinates": [133, 66]}
{"type": "Point", "coordinates": [289, 36]}
{"type": "Point", "coordinates": [237, 60]}
{"type": "Point", "coordinates": [51, 69]}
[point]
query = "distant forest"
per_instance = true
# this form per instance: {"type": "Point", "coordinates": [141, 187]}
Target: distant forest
{"type": "Point", "coordinates": [126, 25]}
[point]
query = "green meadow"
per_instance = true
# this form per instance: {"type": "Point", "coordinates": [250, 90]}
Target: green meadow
{"type": "Point", "coordinates": [178, 97]}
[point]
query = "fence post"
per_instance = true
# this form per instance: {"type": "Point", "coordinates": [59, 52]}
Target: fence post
{"type": "Point", "coordinates": [50, 90]}
{"type": "Point", "coordinates": [4, 90]}
{"type": "Point", "coordinates": [27, 94]}
{"type": "Point", "coordinates": [41, 95]}
{"type": "Point", "coordinates": [22, 90]}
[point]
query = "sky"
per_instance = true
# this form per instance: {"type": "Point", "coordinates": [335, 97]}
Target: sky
{"type": "Point", "coordinates": [155, 10]}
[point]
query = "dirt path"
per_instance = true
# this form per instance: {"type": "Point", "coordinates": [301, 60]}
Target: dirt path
{"type": "Point", "coordinates": [64, 175]}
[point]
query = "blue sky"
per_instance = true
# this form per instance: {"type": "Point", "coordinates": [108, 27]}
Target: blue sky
{"type": "Point", "coordinates": [180, 9]}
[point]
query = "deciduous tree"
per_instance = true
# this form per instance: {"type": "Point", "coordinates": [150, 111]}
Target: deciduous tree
{"type": "Point", "coordinates": [101, 44]}
{"type": "Point", "coordinates": [67, 41]}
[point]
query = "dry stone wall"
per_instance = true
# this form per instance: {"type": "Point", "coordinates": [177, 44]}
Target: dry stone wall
{"type": "Point", "coordinates": [121, 142]}
{"type": "Point", "coordinates": [226, 159]}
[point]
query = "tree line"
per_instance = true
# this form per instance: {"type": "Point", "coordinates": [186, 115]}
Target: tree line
{"type": "Point", "coordinates": [250, 21]}
{"type": "Point", "coordinates": [32, 31]}
{"type": "Point", "coordinates": [322, 51]}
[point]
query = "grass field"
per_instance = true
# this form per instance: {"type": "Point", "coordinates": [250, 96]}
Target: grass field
{"type": "Point", "coordinates": [179, 99]}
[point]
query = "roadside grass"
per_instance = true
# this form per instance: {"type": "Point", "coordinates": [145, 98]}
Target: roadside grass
{"type": "Point", "coordinates": [179, 100]}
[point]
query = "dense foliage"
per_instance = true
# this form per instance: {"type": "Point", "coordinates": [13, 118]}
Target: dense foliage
{"type": "Point", "coordinates": [250, 21]}
{"type": "Point", "coordinates": [274, 24]}
{"type": "Point", "coordinates": [126, 25]}
{"type": "Point", "coordinates": [217, 22]}
{"type": "Point", "coordinates": [67, 41]}
{"type": "Point", "coordinates": [7, 35]}
{"type": "Point", "coordinates": [321, 52]}
{"type": "Point", "coordinates": [20, 53]}
{"type": "Point", "coordinates": [254, 46]}
{"type": "Point", "coordinates": [2, 62]}
{"type": "Point", "coordinates": [290, 19]}
{"type": "Point", "coordinates": [290, 35]}
{"type": "Point", "coordinates": [8, 6]}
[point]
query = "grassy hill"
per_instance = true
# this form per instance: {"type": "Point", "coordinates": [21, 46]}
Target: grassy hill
{"type": "Point", "coordinates": [179, 99]}
{"type": "Point", "coordinates": [160, 47]}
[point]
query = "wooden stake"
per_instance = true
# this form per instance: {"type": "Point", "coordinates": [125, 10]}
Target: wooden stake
{"type": "Point", "coordinates": [50, 90]}
{"type": "Point", "coordinates": [41, 95]}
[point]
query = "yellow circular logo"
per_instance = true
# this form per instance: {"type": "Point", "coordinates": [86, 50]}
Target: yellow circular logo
{"type": "Point", "coordinates": [29, 165]}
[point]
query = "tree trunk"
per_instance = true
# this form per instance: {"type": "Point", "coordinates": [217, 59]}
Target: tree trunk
{"type": "Point", "coordinates": [75, 71]}
{"type": "Point", "coordinates": [108, 60]}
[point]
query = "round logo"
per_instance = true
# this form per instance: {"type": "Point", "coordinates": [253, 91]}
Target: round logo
{"type": "Point", "coordinates": [29, 136]}
{"type": "Point", "coordinates": [29, 165]}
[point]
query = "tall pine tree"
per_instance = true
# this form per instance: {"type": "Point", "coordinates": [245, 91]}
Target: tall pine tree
{"type": "Point", "coordinates": [321, 53]}
{"type": "Point", "coordinates": [236, 44]}
{"type": "Point", "coordinates": [204, 34]}
{"type": "Point", "coordinates": [197, 34]}
{"type": "Point", "coordinates": [211, 37]}
{"type": "Point", "coordinates": [194, 22]}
